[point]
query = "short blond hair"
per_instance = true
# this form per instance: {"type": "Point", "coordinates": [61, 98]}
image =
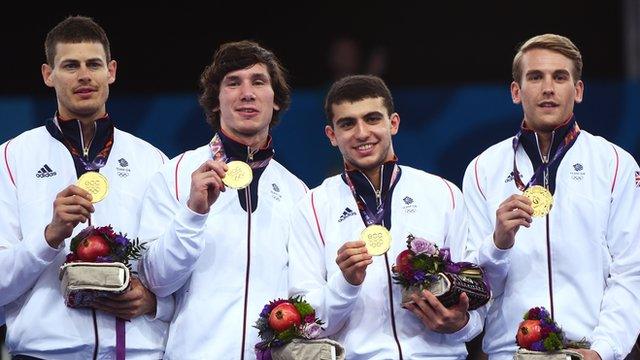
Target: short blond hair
{"type": "Point", "coordinates": [553, 42]}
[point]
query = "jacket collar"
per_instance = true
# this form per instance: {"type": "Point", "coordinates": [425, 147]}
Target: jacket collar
{"type": "Point", "coordinates": [529, 140]}
{"type": "Point", "coordinates": [71, 132]}
{"type": "Point", "coordinates": [238, 151]}
{"type": "Point", "coordinates": [363, 186]}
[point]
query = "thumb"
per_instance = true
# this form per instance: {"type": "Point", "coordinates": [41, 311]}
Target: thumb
{"type": "Point", "coordinates": [463, 304]}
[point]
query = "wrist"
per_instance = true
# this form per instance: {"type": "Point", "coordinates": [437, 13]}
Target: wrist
{"type": "Point", "coordinates": [51, 239]}
{"type": "Point", "coordinates": [197, 209]}
{"type": "Point", "coordinates": [502, 244]}
{"type": "Point", "coordinates": [463, 323]}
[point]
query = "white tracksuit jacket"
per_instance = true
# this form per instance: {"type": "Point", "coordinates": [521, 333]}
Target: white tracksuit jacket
{"type": "Point", "coordinates": [34, 168]}
{"type": "Point", "coordinates": [584, 256]}
{"type": "Point", "coordinates": [368, 319]}
{"type": "Point", "coordinates": [222, 267]}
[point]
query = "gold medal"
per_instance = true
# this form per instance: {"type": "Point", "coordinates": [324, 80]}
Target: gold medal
{"type": "Point", "coordinates": [238, 176]}
{"type": "Point", "coordinates": [377, 239]}
{"type": "Point", "coordinates": [95, 183]}
{"type": "Point", "coordinates": [541, 200]}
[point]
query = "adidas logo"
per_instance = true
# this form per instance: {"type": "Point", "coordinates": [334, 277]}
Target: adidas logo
{"type": "Point", "coordinates": [45, 172]}
{"type": "Point", "coordinates": [345, 214]}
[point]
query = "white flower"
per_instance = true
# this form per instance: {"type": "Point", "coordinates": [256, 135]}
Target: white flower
{"type": "Point", "coordinates": [311, 330]}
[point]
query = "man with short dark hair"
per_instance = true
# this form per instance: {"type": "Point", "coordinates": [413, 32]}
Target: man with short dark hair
{"type": "Point", "coordinates": [45, 161]}
{"type": "Point", "coordinates": [220, 213]}
{"type": "Point", "coordinates": [351, 290]}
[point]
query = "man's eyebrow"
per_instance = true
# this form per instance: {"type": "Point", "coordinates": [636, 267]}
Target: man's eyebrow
{"type": "Point", "coordinates": [345, 119]}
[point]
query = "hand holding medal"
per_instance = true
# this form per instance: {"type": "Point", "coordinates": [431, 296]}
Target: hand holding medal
{"type": "Point", "coordinates": [95, 184]}
{"type": "Point", "coordinates": [377, 239]}
{"type": "Point", "coordinates": [239, 175]}
{"type": "Point", "coordinates": [541, 200]}
{"type": "Point", "coordinates": [206, 185]}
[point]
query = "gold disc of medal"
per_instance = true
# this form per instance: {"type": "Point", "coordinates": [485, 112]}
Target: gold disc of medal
{"type": "Point", "coordinates": [541, 200]}
{"type": "Point", "coordinates": [239, 175]}
{"type": "Point", "coordinates": [95, 183]}
{"type": "Point", "coordinates": [377, 239]}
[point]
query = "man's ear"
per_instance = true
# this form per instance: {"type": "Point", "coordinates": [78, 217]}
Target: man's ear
{"type": "Point", "coordinates": [331, 134]}
{"type": "Point", "coordinates": [47, 74]}
{"type": "Point", "coordinates": [515, 93]}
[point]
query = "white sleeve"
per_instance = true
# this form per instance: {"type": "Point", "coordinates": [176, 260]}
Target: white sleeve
{"type": "Point", "coordinates": [333, 298]}
{"type": "Point", "coordinates": [456, 239]}
{"type": "Point", "coordinates": [619, 320]}
{"type": "Point", "coordinates": [22, 260]}
{"type": "Point", "coordinates": [480, 246]}
{"type": "Point", "coordinates": [174, 233]}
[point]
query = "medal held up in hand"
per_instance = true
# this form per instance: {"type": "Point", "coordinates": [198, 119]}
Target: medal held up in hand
{"type": "Point", "coordinates": [239, 175]}
{"type": "Point", "coordinates": [541, 200]}
{"type": "Point", "coordinates": [94, 183]}
{"type": "Point", "coordinates": [377, 239]}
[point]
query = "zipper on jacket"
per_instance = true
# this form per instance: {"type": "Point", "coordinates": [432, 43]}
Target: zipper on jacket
{"type": "Point", "coordinates": [386, 261]}
{"type": "Point", "coordinates": [246, 281]}
{"type": "Point", "coordinates": [85, 149]}
{"type": "Point", "coordinates": [545, 160]}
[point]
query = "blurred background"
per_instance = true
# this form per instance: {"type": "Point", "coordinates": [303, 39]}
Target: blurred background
{"type": "Point", "coordinates": [448, 66]}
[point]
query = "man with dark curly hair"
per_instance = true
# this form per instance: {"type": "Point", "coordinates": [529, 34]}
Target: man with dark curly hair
{"type": "Point", "coordinates": [220, 212]}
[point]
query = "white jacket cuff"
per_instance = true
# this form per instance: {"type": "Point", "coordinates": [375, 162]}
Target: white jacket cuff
{"type": "Point", "coordinates": [604, 349]}
{"type": "Point", "coordinates": [469, 331]}
{"type": "Point", "coordinates": [342, 287]}
{"type": "Point", "coordinates": [165, 307]}
{"type": "Point", "coordinates": [189, 221]}
{"type": "Point", "coordinates": [40, 249]}
{"type": "Point", "coordinates": [494, 254]}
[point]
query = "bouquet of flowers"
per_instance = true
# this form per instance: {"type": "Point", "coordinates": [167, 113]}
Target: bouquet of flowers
{"type": "Point", "coordinates": [282, 320]}
{"type": "Point", "coordinates": [103, 245]}
{"type": "Point", "coordinates": [540, 338]}
{"type": "Point", "coordinates": [538, 331]}
{"type": "Point", "coordinates": [424, 266]}
{"type": "Point", "coordinates": [98, 265]}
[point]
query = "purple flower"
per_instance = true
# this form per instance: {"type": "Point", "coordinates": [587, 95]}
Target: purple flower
{"type": "Point", "coordinates": [265, 311]}
{"type": "Point", "coordinates": [422, 246]}
{"type": "Point", "coordinates": [121, 241]}
{"type": "Point", "coordinates": [262, 351]}
{"type": "Point", "coordinates": [538, 346]}
{"type": "Point", "coordinates": [311, 331]}
{"type": "Point", "coordinates": [445, 254]}
{"type": "Point", "coordinates": [543, 313]}
{"type": "Point", "coordinates": [419, 276]}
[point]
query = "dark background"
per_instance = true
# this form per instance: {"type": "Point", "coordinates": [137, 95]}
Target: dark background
{"type": "Point", "coordinates": [163, 48]}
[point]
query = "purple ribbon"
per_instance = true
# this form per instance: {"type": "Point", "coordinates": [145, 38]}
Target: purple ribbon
{"type": "Point", "coordinates": [120, 339]}
{"type": "Point", "coordinates": [219, 154]}
{"type": "Point", "coordinates": [263, 352]}
{"type": "Point", "coordinates": [459, 267]}
{"type": "Point", "coordinates": [368, 216]}
{"type": "Point", "coordinates": [568, 140]}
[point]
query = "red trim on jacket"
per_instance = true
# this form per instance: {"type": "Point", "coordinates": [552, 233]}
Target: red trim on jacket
{"type": "Point", "coordinates": [453, 199]}
{"type": "Point", "coordinates": [6, 163]}
{"type": "Point", "coordinates": [475, 166]}
{"type": "Point", "coordinates": [315, 215]}
{"type": "Point", "coordinates": [176, 176]}
{"type": "Point", "coordinates": [615, 174]}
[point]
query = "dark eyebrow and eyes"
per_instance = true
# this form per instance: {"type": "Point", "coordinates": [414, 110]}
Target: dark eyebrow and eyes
{"type": "Point", "coordinates": [538, 74]}
{"type": "Point", "coordinates": [93, 62]}
{"type": "Point", "coordinates": [370, 117]}
{"type": "Point", "coordinates": [257, 77]}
